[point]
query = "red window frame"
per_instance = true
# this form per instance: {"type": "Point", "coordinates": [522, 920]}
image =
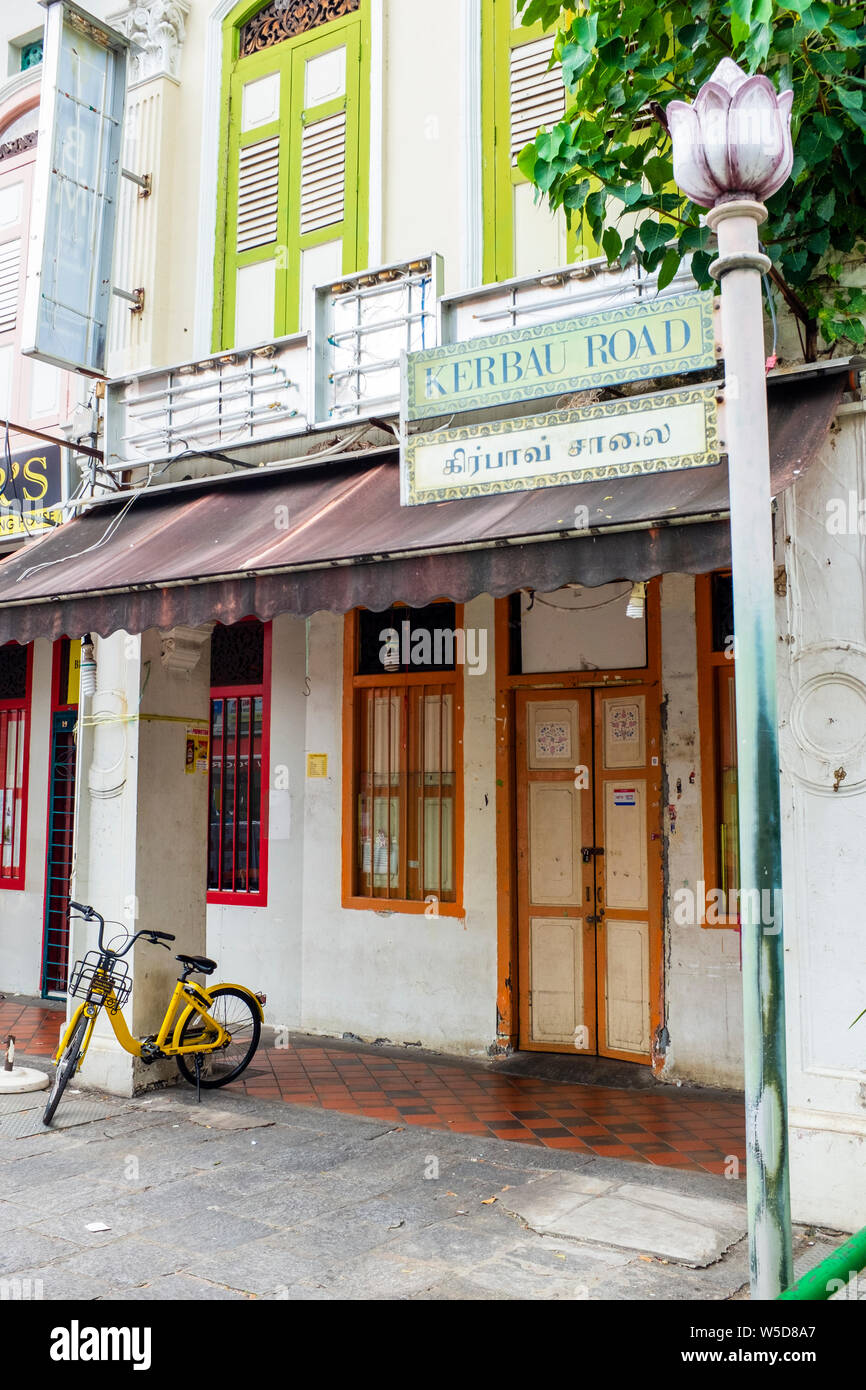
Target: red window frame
{"type": "Point", "coordinates": [231, 896]}
{"type": "Point", "coordinates": [15, 879]}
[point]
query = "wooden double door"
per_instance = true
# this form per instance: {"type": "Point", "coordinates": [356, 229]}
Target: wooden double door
{"type": "Point", "coordinates": [589, 870]}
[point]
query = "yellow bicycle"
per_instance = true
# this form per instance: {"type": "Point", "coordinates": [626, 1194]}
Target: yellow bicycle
{"type": "Point", "coordinates": [213, 1033]}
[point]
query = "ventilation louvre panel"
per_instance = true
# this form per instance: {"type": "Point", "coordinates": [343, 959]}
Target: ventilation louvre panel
{"type": "Point", "coordinates": [537, 93]}
{"type": "Point", "coordinates": [258, 193]}
{"type": "Point", "coordinates": [323, 173]}
{"type": "Point", "coordinates": [10, 269]}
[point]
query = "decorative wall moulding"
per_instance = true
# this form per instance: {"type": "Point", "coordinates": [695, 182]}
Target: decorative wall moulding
{"type": "Point", "coordinates": [822, 726]}
{"type": "Point", "coordinates": [182, 647]}
{"type": "Point", "coordinates": [284, 19]}
{"type": "Point", "coordinates": [158, 28]}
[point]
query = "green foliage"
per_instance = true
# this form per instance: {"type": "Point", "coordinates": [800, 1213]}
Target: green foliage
{"type": "Point", "coordinates": [609, 159]}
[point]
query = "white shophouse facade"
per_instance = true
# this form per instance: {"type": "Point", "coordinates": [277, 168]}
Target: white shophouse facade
{"type": "Point", "coordinates": [406, 857]}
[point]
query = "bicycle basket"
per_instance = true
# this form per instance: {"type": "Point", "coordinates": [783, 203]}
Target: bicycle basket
{"type": "Point", "coordinates": [88, 981]}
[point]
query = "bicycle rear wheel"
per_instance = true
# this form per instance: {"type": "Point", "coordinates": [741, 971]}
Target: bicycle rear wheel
{"type": "Point", "coordinates": [235, 1012]}
{"type": "Point", "coordinates": [65, 1068]}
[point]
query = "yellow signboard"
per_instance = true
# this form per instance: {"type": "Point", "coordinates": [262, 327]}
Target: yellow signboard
{"type": "Point", "coordinates": [197, 749]}
{"type": "Point", "coordinates": [73, 679]}
{"type": "Point", "coordinates": [317, 764]}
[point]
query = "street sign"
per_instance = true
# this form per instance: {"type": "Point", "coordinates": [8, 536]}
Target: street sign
{"type": "Point", "coordinates": [75, 191]}
{"type": "Point", "coordinates": [641, 434]}
{"type": "Point", "coordinates": [636, 342]}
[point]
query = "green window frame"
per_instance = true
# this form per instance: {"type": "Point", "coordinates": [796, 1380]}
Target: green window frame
{"type": "Point", "coordinates": [286, 248]}
{"type": "Point", "coordinates": [499, 39]}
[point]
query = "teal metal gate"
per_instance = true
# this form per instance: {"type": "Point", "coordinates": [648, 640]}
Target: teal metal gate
{"type": "Point", "coordinates": [61, 814]}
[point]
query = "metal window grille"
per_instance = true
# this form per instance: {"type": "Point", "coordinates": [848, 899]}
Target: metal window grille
{"type": "Point", "coordinates": [235, 842]}
{"type": "Point", "coordinates": [405, 793]}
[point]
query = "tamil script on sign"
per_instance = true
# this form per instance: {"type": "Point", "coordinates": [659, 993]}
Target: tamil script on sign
{"type": "Point", "coordinates": [644, 434]}
{"type": "Point", "coordinates": [635, 342]}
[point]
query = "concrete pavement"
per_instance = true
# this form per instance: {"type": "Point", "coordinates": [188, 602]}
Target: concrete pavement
{"type": "Point", "coordinates": [160, 1198]}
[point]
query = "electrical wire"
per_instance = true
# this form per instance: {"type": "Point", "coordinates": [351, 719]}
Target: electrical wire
{"type": "Point", "coordinates": [585, 607]}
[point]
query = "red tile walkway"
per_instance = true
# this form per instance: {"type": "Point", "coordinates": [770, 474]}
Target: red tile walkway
{"type": "Point", "coordinates": [669, 1127]}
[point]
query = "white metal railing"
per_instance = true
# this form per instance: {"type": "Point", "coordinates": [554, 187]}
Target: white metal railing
{"type": "Point", "coordinates": [363, 323]}
{"type": "Point", "coordinates": [586, 288]}
{"type": "Point", "coordinates": [350, 370]}
{"type": "Point", "coordinates": [239, 397]}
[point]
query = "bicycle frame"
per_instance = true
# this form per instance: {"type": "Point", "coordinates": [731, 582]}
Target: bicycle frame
{"type": "Point", "coordinates": [195, 1003]}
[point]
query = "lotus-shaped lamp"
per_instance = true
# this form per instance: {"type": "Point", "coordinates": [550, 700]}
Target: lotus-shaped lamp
{"type": "Point", "coordinates": [735, 140]}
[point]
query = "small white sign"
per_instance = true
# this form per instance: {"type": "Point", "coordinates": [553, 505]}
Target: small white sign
{"type": "Point", "coordinates": [624, 796]}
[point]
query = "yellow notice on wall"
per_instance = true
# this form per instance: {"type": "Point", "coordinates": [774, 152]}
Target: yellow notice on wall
{"type": "Point", "coordinates": [197, 749]}
{"type": "Point", "coordinates": [317, 764]}
{"type": "Point", "coordinates": [74, 677]}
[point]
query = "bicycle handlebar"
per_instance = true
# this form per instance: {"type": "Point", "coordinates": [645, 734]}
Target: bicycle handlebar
{"type": "Point", "coordinates": [90, 914]}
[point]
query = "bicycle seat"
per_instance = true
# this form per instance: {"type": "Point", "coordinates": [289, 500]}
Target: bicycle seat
{"type": "Point", "coordinates": [201, 964]}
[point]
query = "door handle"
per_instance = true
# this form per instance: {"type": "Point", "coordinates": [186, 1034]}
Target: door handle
{"type": "Point", "coordinates": [595, 917]}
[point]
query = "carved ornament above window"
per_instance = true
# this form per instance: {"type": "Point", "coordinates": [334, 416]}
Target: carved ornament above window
{"type": "Point", "coordinates": [8, 148]}
{"type": "Point", "coordinates": [284, 19]}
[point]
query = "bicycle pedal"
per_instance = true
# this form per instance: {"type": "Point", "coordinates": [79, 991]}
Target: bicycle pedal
{"type": "Point", "coordinates": [149, 1051]}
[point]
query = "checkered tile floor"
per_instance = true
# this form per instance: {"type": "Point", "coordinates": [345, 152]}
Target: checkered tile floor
{"type": "Point", "coordinates": [696, 1130]}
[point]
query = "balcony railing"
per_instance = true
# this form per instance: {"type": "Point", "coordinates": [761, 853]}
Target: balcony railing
{"type": "Point", "coordinates": [348, 370]}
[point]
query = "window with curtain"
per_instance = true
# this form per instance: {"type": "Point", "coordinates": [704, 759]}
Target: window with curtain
{"type": "Point", "coordinates": [239, 736]}
{"type": "Point", "coordinates": [296, 156]}
{"type": "Point", "coordinates": [15, 664]}
{"type": "Point", "coordinates": [405, 794]}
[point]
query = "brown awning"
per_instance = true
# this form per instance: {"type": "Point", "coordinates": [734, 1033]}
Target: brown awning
{"type": "Point", "coordinates": [334, 537]}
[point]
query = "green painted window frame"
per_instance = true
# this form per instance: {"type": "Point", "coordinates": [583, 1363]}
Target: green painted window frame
{"type": "Point", "coordinates": [498, 175]}
{"type": "Point", "coordinates": [288, 58]}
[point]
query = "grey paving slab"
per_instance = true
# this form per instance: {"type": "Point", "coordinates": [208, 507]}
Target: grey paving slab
{"type": "Point", "coordinates": [22, 1248]}
{"type": "Point", "coordinates": [546, 1274]}
{"type": "Point", "coordinates": [177, 1287]}
{"type": "Point", "coordinates": [260, 1267]}
{"type": "Point", "coordinates": [332, 1238]}
{"type": "Point", "coordinates": [13, 1217]}
{"type": "Point", "coordinates": [207, 1230]}
{"type": "Point", "coordinates": [53, 1281]}
{"type": "Point", "coordinates": [125, 1263]}
{"type": "Point", "coordinates": [691, 1230]}
{"type": "Point", "coordinates": [380, 1274]}
{"type": "Point", "coordinates": [288, 1204]}
{"type": "Point", "coordinates": [66, 1194]}
{"type": "Point", "coordinates": [455, 1241]}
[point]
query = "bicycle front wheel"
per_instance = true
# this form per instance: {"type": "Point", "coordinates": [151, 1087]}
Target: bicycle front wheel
{"type": "Point", "coordinates": [65, 1068]}
{"type": "Point", "coordinates": [238, 1015]}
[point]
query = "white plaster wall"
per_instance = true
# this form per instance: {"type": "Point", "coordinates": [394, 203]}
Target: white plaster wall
{"type": "Point", "coordinates": [332, 970]}
{"type": "Point", "coordinates": [21, 913]}
{"type": "Point", "coordinates": [822, 681]}
{"type": "Point", "coordinates": [409, 978]}
{"type": "Point", "coordinates": [141, 833]}
{"type": "Point", "coordinates": [703, 984]}
{"type": "Point", "coordinates": [424, 130]}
